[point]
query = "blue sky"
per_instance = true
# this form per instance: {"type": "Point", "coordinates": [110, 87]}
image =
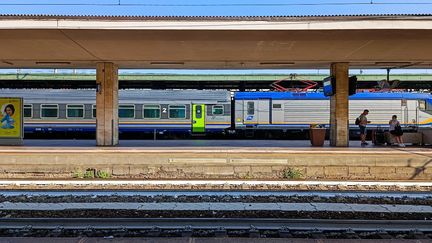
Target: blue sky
{"type": "Point", "coordinates": [215, 7]}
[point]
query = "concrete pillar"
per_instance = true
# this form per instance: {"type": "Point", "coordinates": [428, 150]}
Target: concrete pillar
{"type": "Point", "coordinates": [107, 104]}
{"type": "Point", "coordinates": [339, 106]}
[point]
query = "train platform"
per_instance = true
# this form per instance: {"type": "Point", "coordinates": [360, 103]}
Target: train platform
{"type": "Point", "coordinates": [212, 159]}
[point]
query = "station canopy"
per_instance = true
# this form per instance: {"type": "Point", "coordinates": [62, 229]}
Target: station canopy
{"type": "Point", "coordinates": [365, 41]}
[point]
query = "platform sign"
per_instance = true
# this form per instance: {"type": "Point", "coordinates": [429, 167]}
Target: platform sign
{"type": "Point", "coordinates": [329, 86]}
{"type": "Point", "coordinates": [11, 120]}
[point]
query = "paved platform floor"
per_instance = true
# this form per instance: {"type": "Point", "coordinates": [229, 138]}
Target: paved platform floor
{"type": "Point", "coordinates": [301, 145]}
{"type": "Point", "coordinates": [213, 159]}
{"type": "Point", "coordinates": [182, 143]}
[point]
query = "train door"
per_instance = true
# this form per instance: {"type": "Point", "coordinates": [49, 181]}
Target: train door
{"type": "Point", "coordinates": [198, 118]}
{"type": "Point", "coordinates": [256, 111]}
{"type": "Point", "coordinates": [250, 112]}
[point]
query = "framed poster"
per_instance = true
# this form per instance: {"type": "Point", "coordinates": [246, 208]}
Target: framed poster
{"type": "Point", "coordinates": [11, 118]}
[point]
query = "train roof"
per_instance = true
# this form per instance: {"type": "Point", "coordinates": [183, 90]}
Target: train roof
{"type": "Point", "coordinates": [320, 96]}
{"type": "Point", "coordinates": [132, 96]}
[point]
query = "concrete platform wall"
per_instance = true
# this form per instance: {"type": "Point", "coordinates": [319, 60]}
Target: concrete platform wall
{"type": "Point", "coordinates": [217, 164]}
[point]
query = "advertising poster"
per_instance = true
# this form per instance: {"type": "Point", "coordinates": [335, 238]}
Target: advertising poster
{"type": "Point", "coordinates": [10, 117]}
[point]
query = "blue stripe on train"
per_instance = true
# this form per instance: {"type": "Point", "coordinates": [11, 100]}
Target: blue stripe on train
{"type": "Point", "coordinates": [320, 96]}
{"type": "Point", "coordinates": [47, 128]}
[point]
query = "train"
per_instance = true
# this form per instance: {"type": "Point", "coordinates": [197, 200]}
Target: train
{"type": "Point", "coordinates": [210, 112]}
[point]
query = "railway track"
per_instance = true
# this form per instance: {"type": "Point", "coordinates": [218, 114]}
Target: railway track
{"type": "Point", "coordinates": [256, 214]}
{"type": "Point", "coordinates": [216, 223]}
{"type": "Point", "coordinates": [210, 227]}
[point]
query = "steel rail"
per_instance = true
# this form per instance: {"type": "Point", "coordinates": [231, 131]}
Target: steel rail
{"type": "Point", "coordinates": [214, 223]}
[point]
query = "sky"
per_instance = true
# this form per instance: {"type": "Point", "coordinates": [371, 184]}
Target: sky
{"type": "Point", "coordinates": [217, 8]}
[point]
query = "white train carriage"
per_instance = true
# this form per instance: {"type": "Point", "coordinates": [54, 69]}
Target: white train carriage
{"type": "Point", "coordinates": [289, 110]}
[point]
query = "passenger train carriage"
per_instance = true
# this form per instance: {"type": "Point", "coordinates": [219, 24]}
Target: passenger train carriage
{"type": "Point", "coordinates": [198, 111]}
{"type": "Point", "coordinates": [49, 111]}
{"type": "Point", "coordinates": [290, 110]}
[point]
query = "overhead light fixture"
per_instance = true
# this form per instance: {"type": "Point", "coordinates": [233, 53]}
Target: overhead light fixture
{"type": "Point", "coordinates": [53, 63]}
{"type": "Point", "coordinates": [277, 63]}
{"type": "Point", "coordinates": [392, 63]}
{"type": "Point", "coordinates": [166, 63]}
{"type": "Point", "coordinates": [6, 62]}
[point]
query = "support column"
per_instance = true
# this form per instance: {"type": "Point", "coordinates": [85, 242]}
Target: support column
{"type": "Point", "coordinates": [107, 104]}
{"type": "Point", "coordinates": [339, 106]}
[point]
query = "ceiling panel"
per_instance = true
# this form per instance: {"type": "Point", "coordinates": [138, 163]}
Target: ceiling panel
{"type": "Point", "coordinates": [212, 48]}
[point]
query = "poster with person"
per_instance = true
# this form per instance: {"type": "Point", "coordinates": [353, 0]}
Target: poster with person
{"type": "Point", "coordinates": [10, 118]}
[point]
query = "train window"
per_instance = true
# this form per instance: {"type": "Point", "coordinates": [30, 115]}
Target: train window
{"type": "Point", "coordinates": [28, 111]}
{"type": "Point", "coordinates": [94, 111]}
{"type": "Point", "coordinates": [126, 111]}
{"type": "Point", "coordinates": [152, 111]}
{"type": "Point", "coordinates": [250, 108]}
{"type": "Point", "coordinates": [277, 106]}
{"type": "Point", "coordinates": [49, 111]}
{"type": "Point", "coordinates": [422, 105]}
{"type": "Point", "coordinates": [177, 111]}
{"type": "Point", "coordinates": [198, 112]}
{"type": "Point", "coordinates": [218, 110]}
{"type": "Point", "coordinates": [75, 111]}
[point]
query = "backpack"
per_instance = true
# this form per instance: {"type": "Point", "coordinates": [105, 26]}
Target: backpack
{"type": "Point", "coordinates": [357, 121]}
{"type": "Point", "coordinates": [398, 130]}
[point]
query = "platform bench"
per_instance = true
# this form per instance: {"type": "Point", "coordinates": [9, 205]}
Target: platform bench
{"type": "Point", "coordinates": [415, 138]}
